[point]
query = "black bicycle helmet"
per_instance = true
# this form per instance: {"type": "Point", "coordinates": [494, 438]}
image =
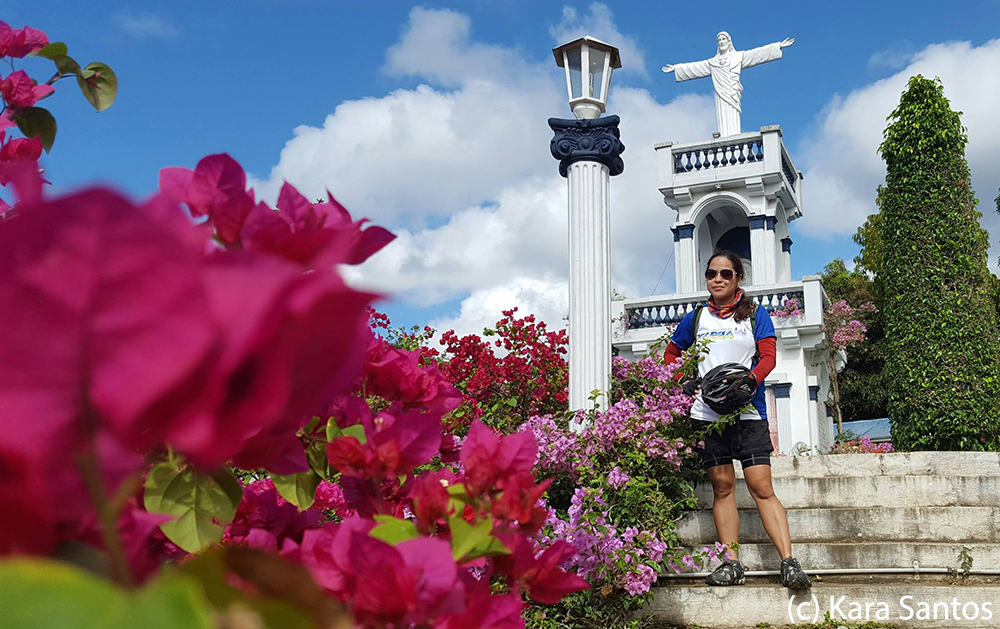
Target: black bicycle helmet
{"type": "Point", "coordinates": [725, 388]}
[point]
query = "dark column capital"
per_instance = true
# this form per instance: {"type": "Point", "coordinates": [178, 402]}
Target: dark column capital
{"type": "Point", "coordinates": [771, 222]}
{"type": "Point", "coordinates": [596, 140]}
{"type": "Point", "coordinates": [814, 393]}
{"type": "Point", "coordinates": [782, 390]}
{"type": "Point", "coordinates": [757, 221]}
{"type": "Point", "coordinates": [786, 245]}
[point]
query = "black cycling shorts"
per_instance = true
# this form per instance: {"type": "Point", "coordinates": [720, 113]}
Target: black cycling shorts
{"type": "Point", "coordinates": [748, 440]}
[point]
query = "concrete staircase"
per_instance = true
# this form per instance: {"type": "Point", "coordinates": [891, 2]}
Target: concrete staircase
{"type": "Point", "coordinates": [913, 511]}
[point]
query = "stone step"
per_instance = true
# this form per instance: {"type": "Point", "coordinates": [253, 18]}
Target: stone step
{"type": "Point", "coordinates": [932, 524]}
{"type": "Point", "coordinates": [829, 556]}
{"type": "Point", "coordinates": [891, 464]}
{"type": "Point", "coordinates": [869, 491]}
{"type": "Point", "coordinates": [763, 600]}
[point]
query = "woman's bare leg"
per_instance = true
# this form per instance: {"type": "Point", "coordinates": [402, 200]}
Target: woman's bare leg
{"type": "Point", "coordinates": [772, 513]}
{"type": "Point", "coordinates": [727, 518]}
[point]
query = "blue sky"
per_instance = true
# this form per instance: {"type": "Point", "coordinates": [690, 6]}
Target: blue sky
{"type": "Point", "coordinates": [364, 99]}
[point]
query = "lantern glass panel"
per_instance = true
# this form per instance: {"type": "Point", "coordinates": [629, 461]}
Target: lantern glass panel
{"type": "Point", "coordinates": [575, 72]}
{"type": "Point", "coordinates": [596, 87]}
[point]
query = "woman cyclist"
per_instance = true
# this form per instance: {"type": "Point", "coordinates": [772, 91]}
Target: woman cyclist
{"type": "Point", "coordinates": [726, 320]}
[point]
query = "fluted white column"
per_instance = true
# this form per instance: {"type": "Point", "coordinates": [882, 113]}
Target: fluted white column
{"type": "Point", "coordinates": [783, 408]}
{"type": "Point", "coordinates": [770, 252]}
{"type": "Point", "coordinates": [589, 283]}
{"type": "Point", "coordinates": [758, 249]}
{"type": "Point", "coordinates": [685, 268]}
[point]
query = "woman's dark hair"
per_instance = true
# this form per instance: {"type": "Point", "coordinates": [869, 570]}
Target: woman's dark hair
{"type": "Point", "coordinates": [745, 307]}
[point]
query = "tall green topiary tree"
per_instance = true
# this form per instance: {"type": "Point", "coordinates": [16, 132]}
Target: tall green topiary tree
{"type": "Point", "coordinates": [943, 359]}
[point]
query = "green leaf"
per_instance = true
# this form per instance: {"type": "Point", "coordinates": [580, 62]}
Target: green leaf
{"type": "Point", "coordinates": [394, 530]}
{"type": "Point", "coordinates": [99, 85]}
{"type": "Point", "coordinates": [66, 65]}
{"type": "Point", "coordinates": [51, 51]}
{"type": "Point", "coordinates": [36, 121]}
{"type": "Point", "coordinates": [170, 602]}
{"type": "Point", "coordinates": [466, 537]}
{"type": "Point", "coordinates": [490, 548]}
{"type": "Point", "coordinates": [357, 431]}
{"type": "Point", "coordinates": [298, 489]}
{"type": "Point", "coordinates": [202, 504]}
{"type": "Point", "coordinates": [46, 593]}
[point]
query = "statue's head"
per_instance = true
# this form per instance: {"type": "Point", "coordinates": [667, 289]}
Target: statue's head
{"type": "Point", "coordinates": [725, 42]}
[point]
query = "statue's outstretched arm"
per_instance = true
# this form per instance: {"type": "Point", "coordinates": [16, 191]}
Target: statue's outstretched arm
{"type": "Point", "coordinates": [688, 71]}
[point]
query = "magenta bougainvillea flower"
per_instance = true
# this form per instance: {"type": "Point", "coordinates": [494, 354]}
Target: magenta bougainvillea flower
{"type": "Point", "coordinates": [396, 443]}
{"type": "Point", "coordinates": [19, 90]}
{"type": "Point", "coordinates": [539, 575]}
{"type": "Point", "coordinates": [404, 585]}
{"type": "Point", "coordinates": [20, 42]}
{"type": "Point", "coordinates": [217, 187]}
{"type": "Point", "coordinates": [396, 374]}
{"type": "Point", "coordinates": [299, 230]}
{"type": "Point", "coordinates": [244, 346]}
{"type": "Point", "coordinates": [489, 458]}
{"type": "Point", "coordinates": [20, 149]}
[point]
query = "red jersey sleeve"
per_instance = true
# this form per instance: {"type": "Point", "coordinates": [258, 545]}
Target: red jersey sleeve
{"type": "Point", "coordinates": [768, 355]}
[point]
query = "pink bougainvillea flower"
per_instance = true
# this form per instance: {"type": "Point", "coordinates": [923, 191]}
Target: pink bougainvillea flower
{"type": "Point", "coordinates": [27, 524]}
{"type": "Point", "coordinates": [487, 611]}
{"type": "Point", "coordinates": [539, 575]}
{"type": "Point", "coordinates": [396, 374]}
{"type": "Point", "coordinates": [348, 410]}
{"type": "Point", "coordinates": [430, 498]}
{"type": "Point", "coordinates": [265, 520]}
{"type": "Point", "coordinates": [19, 90]}
{"type": "Point", "coordinates": [217, 187]}
{"type": "Point", "coordinates": [293, 342]}
{"type": "Point", "coordinates": [406, 585]}
{"type": "Point", "coordinates": [108, 319]}
{"type": "Point", "coordinates": [17, 43]}
{"type": "Point", "coordinates": [397, 442]}
{"type": "Point", "coordinates": [222, 358]}
{"type": "Point", "coordinates": [21, 149]}
{"type": "Point", "coordinates": [489, 458]}
{"type": "Point", "coordinates": [519, 501]}
{"type": "Point", "coordinates": [325, 553]}
{"type": "Point", "coordinates": [300, 230]}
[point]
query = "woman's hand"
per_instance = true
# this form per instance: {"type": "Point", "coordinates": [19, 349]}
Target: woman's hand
{"type": "Point", "coordinates": [691, 386]}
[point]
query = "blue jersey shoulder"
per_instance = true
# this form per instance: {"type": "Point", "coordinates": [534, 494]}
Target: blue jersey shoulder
{"type": "Point", "coordinates": [764, 327]}
{"type": "Point", "coordinates": [683, 335]}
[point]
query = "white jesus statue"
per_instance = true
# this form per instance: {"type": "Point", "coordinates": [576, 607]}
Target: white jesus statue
{"type": "Point", "coordinates": [724, 68]}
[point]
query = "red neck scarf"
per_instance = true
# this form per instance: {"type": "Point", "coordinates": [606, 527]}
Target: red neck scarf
{"type": "Point", "coordinates": [724, 312]}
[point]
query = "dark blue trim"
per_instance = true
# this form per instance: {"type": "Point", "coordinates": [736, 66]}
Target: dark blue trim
{"type": "Point", "coordinates": [814, 393]}
{"type": "Point", "coordinates": [677, 237]}
{"type": "Point", "coordinates": [596, 140]}
{"type": "Point", "coordinates": [757, 221]}
{"type": "Point", "coordinates": [685, 231]}
{"type": "Point", "coordinates": [782, 390]}
{"type": "Point", "coordinates": [771, 222]}
{"type": "Point", "coordinates": [786, 245]}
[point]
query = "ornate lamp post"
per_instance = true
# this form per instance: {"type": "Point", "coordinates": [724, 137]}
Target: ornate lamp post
{"type": "Point", "coordinates": [589, 152]}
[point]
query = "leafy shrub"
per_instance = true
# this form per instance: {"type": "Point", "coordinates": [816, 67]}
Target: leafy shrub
{"type": "Point", "coordinates": [943, 362]}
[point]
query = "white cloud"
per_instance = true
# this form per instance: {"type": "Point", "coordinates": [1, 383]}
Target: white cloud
{"type": "Point", "coordinates": [145, 25]}
{"type": "Point", "coordinates": [464, 177]}
{"type": "Point", "coordinates": [547, 299]}
{"type": "Point", "coordinates": [894, 57]}
{"type": "Point", "coordinates": [599, 23]}
{"type": "Point", "coordinates": [843, 168]}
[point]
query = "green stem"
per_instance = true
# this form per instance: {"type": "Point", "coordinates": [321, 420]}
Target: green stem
{"type": "Point", "coordinates": [107, 514]}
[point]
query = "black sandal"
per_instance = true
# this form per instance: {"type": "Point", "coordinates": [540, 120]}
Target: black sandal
{"type": "Point", "coordinates": [728, 573]}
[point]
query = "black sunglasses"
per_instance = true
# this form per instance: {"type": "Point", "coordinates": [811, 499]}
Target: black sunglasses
{"type": "Point", "coordinates": [727, 274]}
